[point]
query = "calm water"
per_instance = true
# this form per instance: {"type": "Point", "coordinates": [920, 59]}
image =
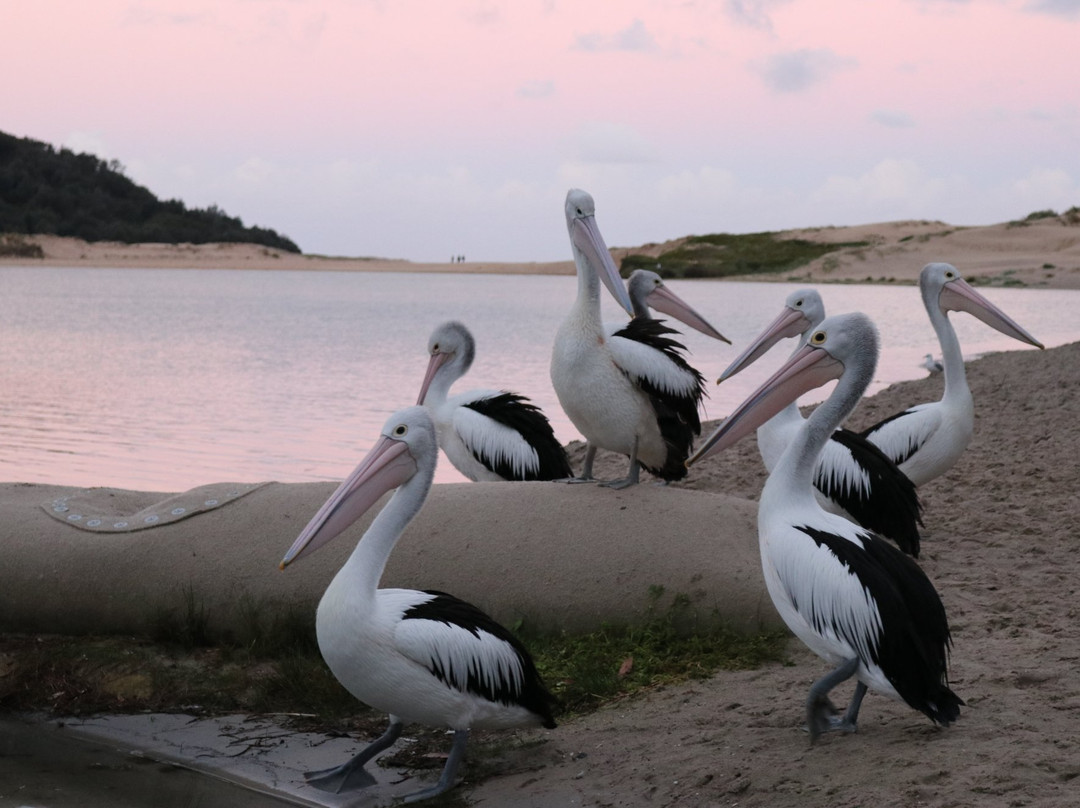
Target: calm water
{"type": "Point", "coordinates": [168, 379]}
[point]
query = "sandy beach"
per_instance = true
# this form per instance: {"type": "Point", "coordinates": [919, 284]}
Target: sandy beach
{"type": "Point", "coordinates": [1042, 252]}
{"type": "Point", "coordinates": [999, 544]}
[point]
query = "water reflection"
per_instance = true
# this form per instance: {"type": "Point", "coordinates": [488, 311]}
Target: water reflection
{"type": "Point", "coordinates": [168, 379]}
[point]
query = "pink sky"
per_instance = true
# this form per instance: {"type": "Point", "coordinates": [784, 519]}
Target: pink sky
{"type": "Point", "coordinates": [423, 129]}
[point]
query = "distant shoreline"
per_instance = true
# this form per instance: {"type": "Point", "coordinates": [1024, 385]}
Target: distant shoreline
{"type": "Point", "coordinates": [1042, 254]}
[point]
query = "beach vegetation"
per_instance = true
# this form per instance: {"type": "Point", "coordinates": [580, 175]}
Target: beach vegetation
{"type": "Point", "coordinates": [271, 663]}
{"type": "Point", "coordinates": [587, 671]}
{"type": "Point", "coordinates": [15, 245]}
{"type": "Point", "coordinates": [724, 254]}
{"type": "Point", "coordinates": [46, 190]}
{"type": "Point", "coordinates": [1069, 217]}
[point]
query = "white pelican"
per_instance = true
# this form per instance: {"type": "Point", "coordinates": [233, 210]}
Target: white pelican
{"type": "Point", "coordinates": [631, 393]}
{"type": "Point", "coordinates": [648, 291]}
{"type": "Point", "coordinates": [853, 477]}
{"type": "Point", "coordinates": [852, 597]}
{"type": "Point", "coordinates": [932, 365]}
{"type": "Point", "coordinates": [423, 657]}
{"type": "Point", "coordinates": [489, 435]}
{"type": "Point", "coordinates": [927, 439]}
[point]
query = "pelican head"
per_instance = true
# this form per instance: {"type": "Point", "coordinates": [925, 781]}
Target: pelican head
{"type": "Point", "coordinates": [942, 285]}
{"type": "Point", "coordinates": [453, 347]}
{"type": "Point", "coordinates": [647, 290]}
{"type": "Point", "coordinates": [839, 343]}
{"type": "Point", "coordinates": [589, 246]}
{"type": "Point", "coordinates": [803, 310]}
{"type": "Point", "coordinates": [405, 451]}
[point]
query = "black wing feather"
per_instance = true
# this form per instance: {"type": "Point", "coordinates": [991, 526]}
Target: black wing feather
{"type": "Point", "coordinates": [521, 415]}
{"type": "Point", "coordinates": [677, 416]}
{"type": "Point", "coordinates": [895, 511]}
{"type": "Point", "coordinates": [532, 695]}
{"type": "Point", "coordinates": [913, 647]}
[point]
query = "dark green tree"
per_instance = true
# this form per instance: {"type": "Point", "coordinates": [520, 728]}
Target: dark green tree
{"type": "Point", "coordinates": [59, 192]}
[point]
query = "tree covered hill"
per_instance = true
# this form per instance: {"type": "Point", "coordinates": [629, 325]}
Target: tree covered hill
{"type": "Point", "coordinates": [44, 190]}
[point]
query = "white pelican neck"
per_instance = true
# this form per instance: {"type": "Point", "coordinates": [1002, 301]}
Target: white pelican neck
{"type": "Point", "coordinates": [952, 359]}
{"type": "Point", "coordinates": [365, 565]}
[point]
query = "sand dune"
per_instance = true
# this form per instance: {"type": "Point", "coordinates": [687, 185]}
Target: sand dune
{"type": "Point", "coordinates": [1043, 252]}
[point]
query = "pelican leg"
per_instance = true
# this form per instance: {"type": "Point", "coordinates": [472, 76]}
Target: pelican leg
{"type": "Point", "coordinates": [821, 712]}
{"type": "Point", "coordinates": [449, 772]}
{"type": "Point", "coordinates": [849, 722]}
{"type": "Point", "coordinates": [631, 477]}
{"type": "Point", "coordinates": [351, 775]}
{"type": "Point", "coordinates": [586, 468]}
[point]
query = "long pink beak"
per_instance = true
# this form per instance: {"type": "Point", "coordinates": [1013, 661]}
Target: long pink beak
{"type": "Point", "coordinates": [789, 323]}
{"type": "Point", "coordinates": [436, 362]}
{"type": "Point", "coordinates": [664, 300]}
{"type": "Point", "coordinates": [808, 368]}
{"type": "Point", "coordinates": [959, 295]}
{"type": "Point", "coordinates": [386, 466]}
{"type": "Point", "coordinates": [587, 238]}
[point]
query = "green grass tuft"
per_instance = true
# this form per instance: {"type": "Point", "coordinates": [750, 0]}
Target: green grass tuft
{"type": "Point", "coordinates": [586, 670]}
{"type": "Point", "coordinates": [273, 664]}
{"type": "Point", "coordinates": [723, 254]}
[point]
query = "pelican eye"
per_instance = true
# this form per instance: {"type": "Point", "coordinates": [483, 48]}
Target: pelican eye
{"type": "Point", "coordinates": [401, 430]}
{"type": "Point", "coordinates": [818, 338]}
{"type": "Point", "coordinates": [950, 275]}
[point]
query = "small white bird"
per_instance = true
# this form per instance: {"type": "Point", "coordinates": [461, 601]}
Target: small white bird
{"type": "Point", "coordinates": [489, 435]}
{"type": "Point", "coordinates": [932, 365]}
{"type": "Point", "coordinates": [421, 656]}
{"type": "Point", "coordinates": [849, 595]}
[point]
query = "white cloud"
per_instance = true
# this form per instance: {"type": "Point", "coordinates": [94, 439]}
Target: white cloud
{"type": "Point", "coordinates": [753, 13]}
{"type": "Point", "coordinates": [795, 71]}
{"type": "Point", "coordinates": [601, 142]}
{"type": "Point", "coordinates": [87, 142]}
{"type": "Point", "coordinates": [255, 171]}
{"type": "Point", "coordinates": [893, 119]}
{"type": "Point", "coordinates": [892, 189]}
{"type": "Point", "coordinates": [537, 89]}
{"type": "Point", "coordinates": [703, 186]}
{"type": "Point", "coordinates": [484, 14]}
{"type": "Point", "coordinates": [1058, 8]}
{"type": "Point", "coordinates": [1046, 188]}
{"type": "Point", "coordinates": [635, 38]}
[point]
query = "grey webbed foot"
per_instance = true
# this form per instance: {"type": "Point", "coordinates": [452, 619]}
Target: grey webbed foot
{"type": "Point", "coordinates": [821, 714]}
{"type": "Point", "coordinates": [631, 477]}
{"type": "Point", "coordinates": [351, 775]}
{"type": "Point", "coordinates": [449, 772]}
{"type": "Point", "coordinates": [586, 469]}
{"type": "Point", "coordinates": [345, 777]}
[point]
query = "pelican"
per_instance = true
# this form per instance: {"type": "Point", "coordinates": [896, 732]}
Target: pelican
{"type": "Point", "coordinates": [489, 435]}
{"type": "Point", "coordinates": [927, 439]}
{"type": "Point", "coordinates": [631, 392]}
{"type": "Point", "coordinates": [648, 291]}
{"type": "Point", "coordinates": [849, 595]}
{"type": "Point", "coordinates": [421, 656]}
{"type": "Point", "coordinates": [853, 477]}
{"type": "Point", "coordinates": [932, 365]}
